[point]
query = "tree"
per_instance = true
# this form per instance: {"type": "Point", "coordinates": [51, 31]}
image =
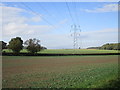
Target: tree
{"type": "Point", "coordinates": [33, 45]}
{"type": "Point", "coordinates": [105, 46]}
{"type": "Point", "coordinates": [115, 47]}
{"type": "Point", "coordinates": [16, 44]}
{"type": "Point", "coordinates": [42, 47]}
{"type": "Point", "coordinates": [112, 46]}
{"type": "Point", "coordinates": [118, 46]}
{"type": "Point", "coordinates": [3, 45]}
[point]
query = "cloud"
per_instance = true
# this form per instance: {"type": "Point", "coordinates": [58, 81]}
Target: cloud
{"type": "Point", "coordinates": [13, 29]}
{"type": "Point", "coordinates": [105, 8]}
{"type": "Point", "coordinates": [57, 40]}
{"type": "Point", "coordinates": [63, 21]}
{"type": "Point", "coordinates": [15, 24]}
{"type": "Point", "coordinates": [99, 37]}
{"type": "Point", "coordinates": [36, 19]}
{"type": "Point", "coordinates": [11, 14]}
{"type": "Point", "coordinates": [86, 39]}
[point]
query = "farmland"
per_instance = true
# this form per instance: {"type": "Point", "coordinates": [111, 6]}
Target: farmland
{"type": "Point", "coordinates": [53, 44]}
{"type": "Point", "coordinates": [59, 72]}
{"type": "Point", "coordinates": [70, 51]}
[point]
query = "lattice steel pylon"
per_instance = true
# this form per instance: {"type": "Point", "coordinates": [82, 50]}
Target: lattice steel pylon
{"type": "Point", "coordinates": [76, 35]}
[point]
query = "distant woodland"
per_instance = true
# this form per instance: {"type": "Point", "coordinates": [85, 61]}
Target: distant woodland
{"type": "Point", "coordinates": [108, 46]}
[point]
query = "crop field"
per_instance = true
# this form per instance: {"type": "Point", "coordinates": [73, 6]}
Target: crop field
{"type": "Point", "coordinates": [58, 72]}
{"type": "Point", "coordinates": [70, 51]}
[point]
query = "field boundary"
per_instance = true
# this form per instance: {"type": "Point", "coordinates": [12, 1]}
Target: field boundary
{"type": "Point", "coordinates": [50, 54]}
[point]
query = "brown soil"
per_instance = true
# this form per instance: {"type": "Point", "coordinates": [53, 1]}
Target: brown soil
{"type": "Point", "coordinates": [36, 65]}
{"type": "Point", "coordinates": [47, 64]}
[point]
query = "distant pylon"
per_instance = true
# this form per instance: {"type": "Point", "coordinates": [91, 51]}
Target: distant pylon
{"type": "Point", "coordinates": [76, 35]}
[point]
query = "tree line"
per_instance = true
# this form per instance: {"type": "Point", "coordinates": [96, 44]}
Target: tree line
{"type": "Point", "coordinates": [16, 45]}
{"type": "Point", "coordinates": [108, 46]}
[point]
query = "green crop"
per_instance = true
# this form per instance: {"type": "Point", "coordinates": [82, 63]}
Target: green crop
{"type": "Point", "coordinates": [59, 72]}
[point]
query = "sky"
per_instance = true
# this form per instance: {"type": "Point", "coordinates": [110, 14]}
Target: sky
{"type": "Point", "coordinates": [50, 22]}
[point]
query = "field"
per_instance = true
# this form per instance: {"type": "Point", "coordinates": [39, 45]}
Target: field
{"type": "Point", "coordinates": [59, 72]}
{"type": "Point", "coordinates": [70, 51]}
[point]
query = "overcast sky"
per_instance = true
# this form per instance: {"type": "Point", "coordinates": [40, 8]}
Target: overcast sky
{"type": "Point", "coordinates": [51, 22]}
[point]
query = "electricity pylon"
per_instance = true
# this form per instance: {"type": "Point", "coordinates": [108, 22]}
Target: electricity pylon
{"type": "Point", "coordinates": [76, 35]}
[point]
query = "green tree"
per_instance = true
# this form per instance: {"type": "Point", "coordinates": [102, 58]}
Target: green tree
{"type": "Point", "coordinates": [16, 44]}
{"type": "Point", "coordinates": [112, 46]}
{"type": "Point", "coordinates": [118, 46]}
{"type": "Point", "coordinates": [115, 47]}
{"type": "Point", "coordinates": [3, 45]}
{"type": "Point", "coordinates": [33, 45]}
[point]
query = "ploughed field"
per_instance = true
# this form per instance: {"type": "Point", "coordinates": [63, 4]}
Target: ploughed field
{"type": "Point", "coordinates": [58, 72]}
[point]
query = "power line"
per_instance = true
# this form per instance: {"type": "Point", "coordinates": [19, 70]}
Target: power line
{"type": "Point", "coordinates": [74, 9]}
{"type": "Point", "coordinates": [44, 9]}
{"type": "Point", "coordinates": [70, 13]}
{"type": "Point", "coordinates": [49, 13]}
{"type": "Point", "coordinates": [79, 40]}
{"type": "Point", "coordinates": [37, 14]}
{"type": "Point", "coordinates": [75, 28]}
{"type": "Point", "coordinates": [76, 14]}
